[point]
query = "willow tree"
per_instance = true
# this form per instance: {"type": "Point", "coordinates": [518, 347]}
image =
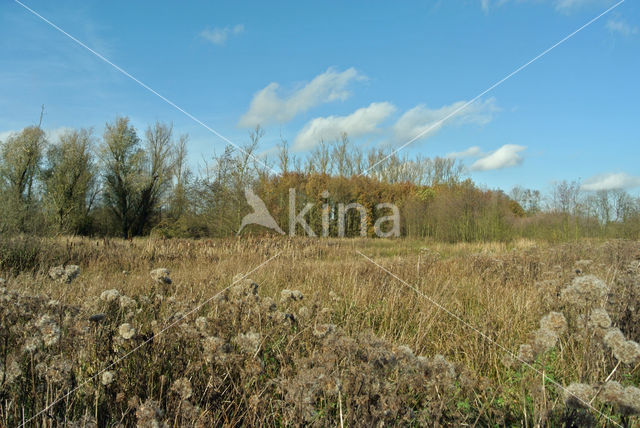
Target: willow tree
{"type": "Point", "coordinates": [123, 167]}
{"type": "Point", "coordinates": [69, 181]}
{"type": "Point", "coordinates": [158, 165]}
{"type": "Point", "coordinates": [20, 166]}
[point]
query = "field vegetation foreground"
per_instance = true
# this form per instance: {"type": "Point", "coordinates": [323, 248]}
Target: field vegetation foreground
{"type": "Point", "coordinates": [318, 335]}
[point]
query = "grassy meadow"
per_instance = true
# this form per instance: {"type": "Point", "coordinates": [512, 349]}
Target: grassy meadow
{"type": "Point", "coordinates": [309, 332]}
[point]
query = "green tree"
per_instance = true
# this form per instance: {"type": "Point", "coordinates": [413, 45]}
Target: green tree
{"type": "Point", "coordinates": [20, 166]}
{"type": "Point", "coordinates": [155, 180]}
{"type": "Point", "coordinates": [123, 166]}
{"type": "Point", "coordinates": [69, 181]}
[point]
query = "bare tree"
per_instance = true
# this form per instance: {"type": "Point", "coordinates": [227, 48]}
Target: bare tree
{"type": "Point", "coordinates": [565, 197]}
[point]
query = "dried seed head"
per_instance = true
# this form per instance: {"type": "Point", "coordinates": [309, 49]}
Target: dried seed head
{"type": "Point", "coordinates": [628, 352]}
{"type": "Point", "coordinates": [161, 276]}
{"type": "Point", "coordinates": [149, 414]}
{"type": "Point", "coordinates": [578, 394]}
{"type": "Point", "coordinates": [49, 329]}
{"type": "Point", "coordinates": [126, 331]}
{"type": "Point", "coordinates": [11, 372]}
{"type": "Point", "coordinates": [127, 302]}
{"type": "Point", "coordinates": [526, 353]}
{"type": "Point", "coordinates": [244, 287]}
{"type": "Point", "coordinates": [406, 352]}
{"type": "Point", "coordinates": [544, 339]}
{"type": "Point", "coordinates": [249, 342]}
{"type": "Point", "coordinates": [108, 377]}
{"type": "Point", "coordinates": [443, 369]}
{"type": "Point", "coordinates": [110, 295]}
{"type": "Point", "coordinates": [614, 338]}
{"type": "Point", "coordinates": [323, 330]}
{"type": "Point", "coordinates": [182, 387]}
{"type": "Point", "coordinates": [599, 319]}
{"type": "Point", "coordinates": [31, 344]}
{"type": "Point", "coordinates": [611, 392]}
{"type": "Point", "coordinates": [294, 295]}
{"type": "Point", "coordinates": [585, 290]}
{"type": "Point", "coordinates": [202, 324]}
{"type": "Point", "coordinates": [304, 312]}
{"type": "Point", "coordinates": [211, 345]}
{"type": "Point", "coordinates": [554, 321]}
{"type": "Point", "coordinates": [269, 304]}
{"type": "Point", "coordinates": [630, 401]}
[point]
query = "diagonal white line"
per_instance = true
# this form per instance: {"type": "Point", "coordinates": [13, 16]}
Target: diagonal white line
{"type": "Point", "coordinates": [173, 324]}
{"type": "Point", "coordinates": [148, 88]}
{"type": "Point", "coordinates": [487, 338]}
{"type": "Point", "coordinates": [492, 87]}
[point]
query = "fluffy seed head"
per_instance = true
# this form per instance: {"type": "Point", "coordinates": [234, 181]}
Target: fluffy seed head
{"type": "Point", "coordinates": [161, 276]}
{"type": "Point", "coordinates": [630, 401]}
{"type": "Point", "coordinates": [611, 392]}
{"type": "Point", "coordinates": [577, 394]}
{"type": "Point", "coordinates": [628, 352]}
{"type": "Point", "coordinates": [294, 295]}
{"type": "Point", "coordinates": [526, 353]}
{"type": "Point", "coordinates": [127, 302]}
{"type": "Point", "coordinates": [599, 319]}
{"type": "Point", "coordinates": [585, 290]}
{"type": "Point", "coordinates": [183, 388]}
{"type": "Point", "coordinates": [126, 331]}
{"type": "Point", "coordinates": [249, 342]}
{"type": "Point", "coordinates": [202, 324]}
{"type": "Point", "coordinates": [323, 330]}
{"type": "Point", "coordinates": [108, 377]}
{"type": "Point", "coordinates": [614, 338]}
{"type": "Point", "coordinates": [555, 322]}
{"type": "Point", "coordinates": [110, 295]}
{"type": "Point", "coordinates": [545, 339]}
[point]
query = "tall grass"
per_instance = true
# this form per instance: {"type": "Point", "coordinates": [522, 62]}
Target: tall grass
{"type": "Point", "coordinates": [350, 347]}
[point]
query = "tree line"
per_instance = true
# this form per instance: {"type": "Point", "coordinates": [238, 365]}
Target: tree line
{"type": "Point", "coordinates": [129, 184]}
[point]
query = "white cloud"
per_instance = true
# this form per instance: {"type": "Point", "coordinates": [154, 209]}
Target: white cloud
{"type": "Point", "coordinates": [267, 106]}
{"type": "Point", "coordinates": [621, 27]}
{"type": "Point", "coordinates": [219, 36]}
{"type": "Point", "coordinates": [361, 122]}
{"type": "Point", "coordinates": [471, 152]}
{"type": "Point", "coordinates": [611, 181]}
{"type": "Point", "coordinates": [506, 156]}
{"type": "Point", "coordinates": [423, 120]}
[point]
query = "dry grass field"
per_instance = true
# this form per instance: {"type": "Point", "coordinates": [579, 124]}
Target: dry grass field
{"type": "Point", "coordinates": [291, 332]}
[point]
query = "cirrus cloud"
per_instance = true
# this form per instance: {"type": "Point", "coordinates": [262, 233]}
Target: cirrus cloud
{"type": "Point", "coordinates": [621, 27]}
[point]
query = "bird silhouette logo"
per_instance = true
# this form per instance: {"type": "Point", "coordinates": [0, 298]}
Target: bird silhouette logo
{"type": "Point", "coordinates": [260, 214]}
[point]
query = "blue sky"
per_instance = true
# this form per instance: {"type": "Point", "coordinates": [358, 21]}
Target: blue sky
{"type": "Point", "coordinates": [382, 72]}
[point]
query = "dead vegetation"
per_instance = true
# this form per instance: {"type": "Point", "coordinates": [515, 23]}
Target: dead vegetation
{"type": "Point", "coordinates": [321, 336]}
